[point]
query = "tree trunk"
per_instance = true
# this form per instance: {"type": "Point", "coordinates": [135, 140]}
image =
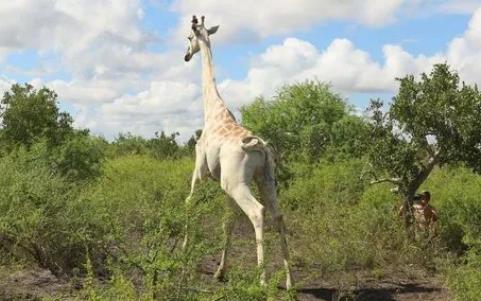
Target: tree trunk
{"type": "Point", "coordinates": [410, 192]}
{"type": "Point", "coordinates": [408, 213]}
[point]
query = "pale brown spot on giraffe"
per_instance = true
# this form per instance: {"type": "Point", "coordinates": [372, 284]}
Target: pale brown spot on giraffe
{"type": "Point", "coordinates": [221, 131]}
{"type": "Point", "coordinates": [237, 132]}
{"type": "Point", "coordinates": [245, 134]}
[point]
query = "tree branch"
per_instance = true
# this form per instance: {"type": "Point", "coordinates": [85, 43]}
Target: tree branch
{"type": "Point", "coordinates": [431, 148]}
{"type": "Point", "coordinates": [424, 173]}
{"type": "Point", "coordinates": [364, 171]}
{"type": "Point", "coordinates": [376, 180]}
{"type": "Point", "coordinates": [395, 181]}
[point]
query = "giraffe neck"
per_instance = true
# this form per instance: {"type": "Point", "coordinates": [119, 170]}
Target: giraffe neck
{"type": "Point", "coordinates": [213, 103]}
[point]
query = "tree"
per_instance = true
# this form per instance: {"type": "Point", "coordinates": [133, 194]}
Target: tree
{"type": "Point", "coordinates": [31, 120]}
{"type": "Point", "coordinates": [432, 122]}
{"type": "Point", "coordinates": [190, 145]}
{"type": "Point", "coordinates": [128, 144]}
{"type": "Point", "coordinates": [164, 146]}
{"type": "Point", "coordinates": [28, 115]}
{"type": "Point", "coordinates": [304, 120]}
{"type": "Point", "coordinates": [80, 157]}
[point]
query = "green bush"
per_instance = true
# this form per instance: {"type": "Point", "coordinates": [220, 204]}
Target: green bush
{"type": "Point", "coordinates": [141, 202]}
{"type": "Point", "coordinates": [340, 224]}
{"type": "Point", "coordinates": [465, 280]}
{"type": "Point", "coordinates": [126, 226]}
{"type": "Point", "coordinates": [127, 144]}
{"type": "Point", "coordinates": [80, 157]}
{"type": "Point", "coordinates": [28, 115]}
{"type": "Point", "coordinates": [164, 146]}
{"type": "Point", "coordinates": [303, 120]}
{"type": "Point", "coordinates": [323, 204]}
{"type": "Point", "coordinates": [160, 147]}
{"type": "Point", "coordinates": [243, 285]}
{"type": "Point", "coordinates": [456, 194]}
{"type": "Point", "coordinates": [42, 220]}
{"type": "Point", "coordinates": [322, 184]}
{"type": "Point", "coordinates": [337, 224]}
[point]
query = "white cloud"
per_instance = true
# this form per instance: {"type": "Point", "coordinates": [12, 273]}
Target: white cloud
{"type": "Point", "coordinates": [464, 52]}
{"type": "Point", "coordinates": [94, 40]}
{"type": "Point", "coordinates": [68, 25]}
{"type": "Point", "coordinates": [165, 105]}
{"type": "Point", "coordinates": [348, 68]}
{"type": "Point", "coordinates": [112, 79]}
{"type": "Point", "coordinates": [459, 6]}
{"type": "Point", "coordinates": [161, 97]}
{"type": "Point", "coordinates": [260, 18]}
{"type": "Point", "coordinates": [341, 64]}
{"type": "Point", "coordinates": [5, 85]}
{"type": "Point", "coordinates": [116, 84]}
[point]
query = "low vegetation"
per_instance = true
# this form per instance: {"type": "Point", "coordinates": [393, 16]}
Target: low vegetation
{"type": "Point", "coordinates": [108, 217]}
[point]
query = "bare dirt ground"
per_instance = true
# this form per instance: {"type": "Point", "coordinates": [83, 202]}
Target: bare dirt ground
{"type": "Point", "coordinates": [355, 285]}
{"type": "Point", "coordinates": [395, 288]}
{"type": "Point", "coordinates": [311, 283]}
{"type": "Point", "coordinates": [379, 291]}
{"type": "Point", "coordinates": [35, 284]}
{"type": "Point", "coordinates": [364, 288]}
{"type": "Point", "coordinates": [31, 285]}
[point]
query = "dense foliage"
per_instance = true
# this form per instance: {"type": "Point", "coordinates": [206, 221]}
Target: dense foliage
{"type": "Point", "coordinates": [28, 115]}
{"type": "Point", "coordinates": [306, 121]}
{"type": "Point", "coordinates": [432, 122]}
{"type": "Point", "coordinates": [108, 217]}
{"type": "Point", "coordinates": [161, 146]}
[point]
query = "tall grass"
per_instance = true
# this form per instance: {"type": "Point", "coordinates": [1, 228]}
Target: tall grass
{"type": "Point", "coordinates": [122, 231]}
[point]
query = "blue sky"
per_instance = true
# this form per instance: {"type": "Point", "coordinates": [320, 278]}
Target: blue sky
{"type": "Point", "coordinates": [117, 65]}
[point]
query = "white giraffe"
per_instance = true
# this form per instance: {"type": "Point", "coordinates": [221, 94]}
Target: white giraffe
{"type": "Point", "coordinates": [228, 152]}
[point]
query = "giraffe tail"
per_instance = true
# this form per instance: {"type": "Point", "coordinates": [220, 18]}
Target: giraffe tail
{"type": "Point", "coordinates": [254, 143]}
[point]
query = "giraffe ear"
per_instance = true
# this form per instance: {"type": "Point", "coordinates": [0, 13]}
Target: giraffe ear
{"type": "Point", "coordinates": [212, 30]}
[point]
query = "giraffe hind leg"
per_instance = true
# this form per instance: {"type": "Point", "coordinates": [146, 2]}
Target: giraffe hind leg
{"type": "Point", "coordinates": [267, 188]}
{"type": "Point", "coordinates": [254, 210]}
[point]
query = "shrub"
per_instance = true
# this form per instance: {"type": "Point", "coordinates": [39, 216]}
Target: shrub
{"type": "Point", "coordinates": [465, 280]}
{"type": "Point", "coordinates": [79, 158]}
{"type": "Point", "coordinates": [41, 218]}
{"type": "Point", "coordinates": [141, 203]}
{"type": "Point", "coordinates": [127, 144]}
{"type": "Point", "coordinates": [28, 115]}
{"type": "Point", "coordinates": [455, 193]}
{"type": "Point", "coordinates": [302, 120]}
{"type": "Point", "coordinates": [325, 183]}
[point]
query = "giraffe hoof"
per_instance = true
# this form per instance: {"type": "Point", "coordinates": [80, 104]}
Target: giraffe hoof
{"type": "Point", "coordinates": [288, 286]}
{"type": "Point", "coordinates": [219, 276]}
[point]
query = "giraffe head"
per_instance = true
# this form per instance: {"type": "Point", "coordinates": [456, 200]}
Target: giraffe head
{"type": "Point", "coordinates": [199, 33]}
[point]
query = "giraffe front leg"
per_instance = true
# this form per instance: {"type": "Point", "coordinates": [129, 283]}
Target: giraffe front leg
{"type": "Point", "coordinates": [188, 207]}
{"type": "Point", "coordinates": [199, 174]}
{"type": "Point", "coordinates": [228, 226]}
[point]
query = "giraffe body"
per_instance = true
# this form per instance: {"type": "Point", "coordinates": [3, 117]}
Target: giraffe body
{"type": "Point", "coordinates": [231, 154]}
{"type": "Point", "coordinates": [222, 134]}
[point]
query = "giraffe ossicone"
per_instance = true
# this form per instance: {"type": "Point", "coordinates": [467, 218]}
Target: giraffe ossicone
{"type": "Point", "coordinates": [231, 154]}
